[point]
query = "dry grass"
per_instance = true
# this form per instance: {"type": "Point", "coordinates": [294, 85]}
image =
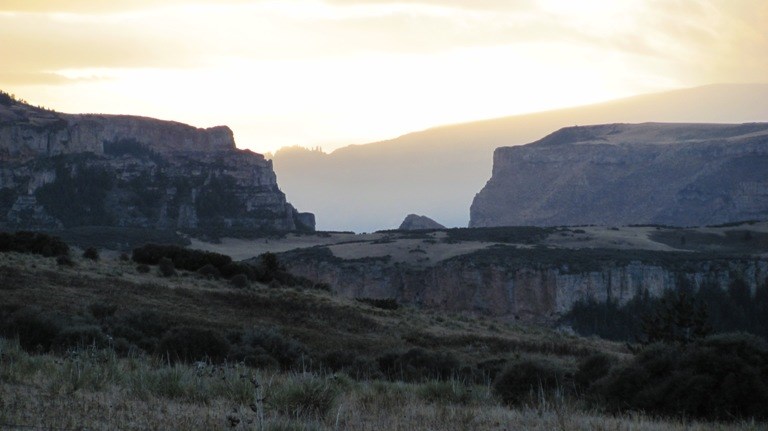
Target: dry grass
{"type": "Point", "coordinates": [97, 391]}
{"type": "Point", "coordinates": [403, 248]}
{"type": "Point", "coordinates": [319, 320]}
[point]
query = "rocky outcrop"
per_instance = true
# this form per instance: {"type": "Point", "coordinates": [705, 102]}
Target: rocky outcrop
{"type": "Point", "coordinates": [61, 170]}
{"type": "Point", "coordinates": [523, 283]}
{"type": "Point", "coordinates": [620, 174]}
{"type": "Point", "coordinates": [419, 222]}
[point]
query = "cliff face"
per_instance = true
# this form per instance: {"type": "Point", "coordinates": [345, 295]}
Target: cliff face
{"type": "Point", "coordinates": [620, 174]}
{"type": "Point", "coordinates": [60, 170]}
{"type": "Point", "coordinates": [496, 282]}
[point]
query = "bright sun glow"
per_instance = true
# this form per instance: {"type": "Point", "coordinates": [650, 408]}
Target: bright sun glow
{"type": "Point", "coordinates": [336, 72]}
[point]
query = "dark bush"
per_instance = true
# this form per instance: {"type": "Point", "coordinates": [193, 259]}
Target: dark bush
{"type": "Point", "coordinates": [233, 268]}
{"type": "Point", "coordinates": [209, 271]}
{"type": "Point", "coordinates": [239, 281]}
{"type": "Point", "coordinates": [419, 364]}
{"type": "Point", "coordinates": [34, 329]}
{"type": "Point", "coordinates": [186, 259]}
{"type": "Point", "coordinates": [142, 268]}
{"type": "Point", "coordinates": [91, 253]}
{"type": "Point", "coordinates": [166, 268]}
{"type": "Point", "coordinates": [525, 380]}
{"type": "Point", "coordinates": [64, 260]}
{"type": "Point", "coordinates": [189, 344]}
{"type": "Point", "coordinates": [358, 367]}
{"type": "Point", "coordinates": [384, 304]}
{"type": "Point", "coordinates": [79, 336]}
{"type": "Point", "coordinates": [722, 377]}
{"type": "Point", "coordinates": [102, 310]}
{"type": "Point", "coordinates": [34, 243]}
{"type": "Point", "coordinates": [592, 368]}
{"type": "Point", "coordinates": [141, 327]}
{"type": "Point", "coordinates": [286, 351]}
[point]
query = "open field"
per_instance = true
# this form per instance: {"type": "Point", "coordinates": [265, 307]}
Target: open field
{"type": "Point", "coordinates": [429, 247]}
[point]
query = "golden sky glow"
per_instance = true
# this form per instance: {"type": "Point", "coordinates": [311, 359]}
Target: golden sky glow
{"type": "Point", "coordinates": [335, 72]}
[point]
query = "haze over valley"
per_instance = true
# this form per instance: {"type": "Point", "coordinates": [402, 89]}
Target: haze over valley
{"type": "Point", "coordinates": [384, 215]}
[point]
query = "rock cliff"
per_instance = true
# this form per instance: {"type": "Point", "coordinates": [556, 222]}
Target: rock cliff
{"type": "Point", "coordinates": [63, 170]}
{"type": "Point", "coordinates": [519, 283]}
{"type": "Point", "coordinates": [419, 222]}
{"type": "Point", "coordinates": [621, 174]}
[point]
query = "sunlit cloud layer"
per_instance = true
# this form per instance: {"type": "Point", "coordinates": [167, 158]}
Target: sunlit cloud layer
{"type": "Point", "coordinates": [335, 72]}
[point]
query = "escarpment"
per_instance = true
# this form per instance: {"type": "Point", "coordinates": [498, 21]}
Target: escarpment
{"type": "Point", "coordinates": [527, 284]}
{"type": "Point", "coordinates": [68, 170]}
{"type": "Point", "coordinates": [622, 174]}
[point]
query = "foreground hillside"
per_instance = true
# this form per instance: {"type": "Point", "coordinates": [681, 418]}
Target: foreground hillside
{"type": "Point", "coordinates": [114, 340]}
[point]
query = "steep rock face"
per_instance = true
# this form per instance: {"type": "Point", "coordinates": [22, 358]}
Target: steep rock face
{"type": "Point", "coordinates": [418, 222]}
{"type": "Point", "coordinates": [620, 174]}
{"type": "Point", "coordinates": [496, 283]}
{"type": "Point", "coordinates": [61, 170]}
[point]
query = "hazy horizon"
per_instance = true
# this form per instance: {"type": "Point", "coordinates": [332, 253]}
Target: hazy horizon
{"type": "Point", "coordinates": [331, 73]}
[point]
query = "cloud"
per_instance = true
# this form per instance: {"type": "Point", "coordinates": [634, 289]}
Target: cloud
{"type": "Point", "coordinates": [498, 5]}
{"type": "Point", "coordinates": [99, 6]}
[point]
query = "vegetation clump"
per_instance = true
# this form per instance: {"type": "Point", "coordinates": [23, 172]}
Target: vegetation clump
{"type": "Point", "coordinates": [33, 243]}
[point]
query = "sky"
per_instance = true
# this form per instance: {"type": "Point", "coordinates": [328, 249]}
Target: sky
{"type": "Point", "coordinates": [335, 72]}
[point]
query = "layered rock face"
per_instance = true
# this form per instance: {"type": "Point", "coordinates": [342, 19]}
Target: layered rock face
{"type": "Point", "coordinates": [61, 170]}
{"type": "Point", "coordinates": [621, 174]}
{"type": "Point", "coordinates": [419, 222]}
{"type": "Point", "coordinates": [498, 282]}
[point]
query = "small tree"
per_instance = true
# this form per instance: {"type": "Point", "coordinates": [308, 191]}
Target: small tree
{"type": "Point", "coordinates": [678, 320]}
{"type": "Point", "coordinates": [91, 253]}
{"type": "Point", "coordinates": [166, 267]}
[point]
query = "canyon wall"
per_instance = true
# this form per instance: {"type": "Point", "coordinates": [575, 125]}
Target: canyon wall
{"type": "Point", "coordinates": [622, 174]}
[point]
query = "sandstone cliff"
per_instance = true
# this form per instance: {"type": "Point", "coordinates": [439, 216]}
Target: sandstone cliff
{"type": "Point", "coordinates": [62, 170]}
{"type": "Point", "coordinates": [518, 283]}
{"type": "Point", "coordinates": [620, 174]}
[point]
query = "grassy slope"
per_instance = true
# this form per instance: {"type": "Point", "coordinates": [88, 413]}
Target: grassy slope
{"type": "Point", "coordinates": [100, 391]}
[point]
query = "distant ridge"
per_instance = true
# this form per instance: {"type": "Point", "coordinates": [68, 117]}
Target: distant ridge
{"type": "Point", "coordinates": [438, 171]}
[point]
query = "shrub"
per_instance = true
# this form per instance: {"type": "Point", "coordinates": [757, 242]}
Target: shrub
{"type": "Point", "coordinates": [79, 336]}
{"type": "Point", "coordinates": [64, 260]}
{"type": "Point", "coordinates": [419, 364]}
{"type": "Point", "coordinates": [240, 281]}
{"type": "Point", "coordinates": [209, 271]}
{"type": "Point", "coordinates": [102, 310]}
{"type": "Point", "coordinates": [384, 304]}
{"type": "Point", "coordinates": [166, 268]}
{"type": "Point", "coordinates": [593, 368]}
{"type": "Point", "coordinates": [286, 351]}
{"type": "Point", "coordinates": [91, 253]}
{"type": "Point", "coordinates": [310, 397]}
{"type": "Point", "coordinates": [34, 243]}
{"type": "Point", "coordinates": [525, 379]}
{"type": "Point", "coordinates": [722, 377]}
{"type": "Point", "coordinates": [142, 268]}
{"type": "Point", "coordinates": [190, 344]}
{"type": "Point", "coordinates": [452, 391]}
{"type": "Point", "coordinates": [186, 259]}
{"type": "Point", "coordinates": [34, 329]}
